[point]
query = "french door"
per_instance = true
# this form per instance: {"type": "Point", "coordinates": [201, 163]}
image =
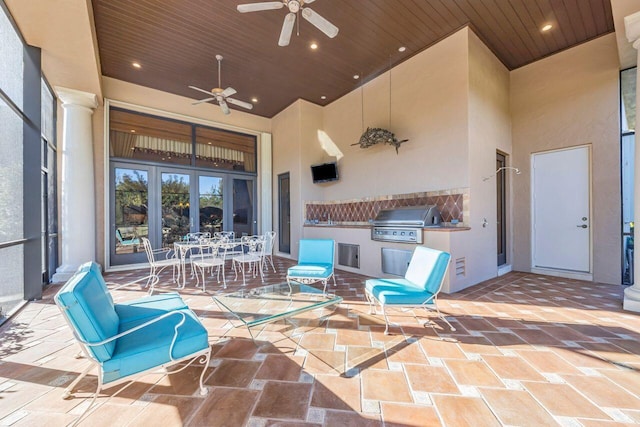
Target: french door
{"type": "Point", "coordinates": [163, 204]}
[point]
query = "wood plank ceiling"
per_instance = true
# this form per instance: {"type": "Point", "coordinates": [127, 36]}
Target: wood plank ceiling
{"type": "Point", "coordinates": [176, 41]}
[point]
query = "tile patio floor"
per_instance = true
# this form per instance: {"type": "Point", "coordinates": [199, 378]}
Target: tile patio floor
{"type": "Point", "coordinates": [528, 350]}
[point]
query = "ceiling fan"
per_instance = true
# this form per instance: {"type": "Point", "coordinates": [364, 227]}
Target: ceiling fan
{"type": "Point", "coordinates": [295, 7]}
{"type": "Point", "coordinates": [221, 96]}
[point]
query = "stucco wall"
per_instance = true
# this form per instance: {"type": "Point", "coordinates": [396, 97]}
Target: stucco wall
{"type": "Point", "coordinates": [428, 100]}
{"type": "Point", "coordinates": [566, 100]}
{"type": "Point", "coordinates": [285, 128]}
{"type": "Point", "coordinates": [489, 131]}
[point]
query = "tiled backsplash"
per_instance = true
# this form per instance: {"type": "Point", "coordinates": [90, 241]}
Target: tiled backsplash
{"type": "Point", "coordinates": [451, 204]}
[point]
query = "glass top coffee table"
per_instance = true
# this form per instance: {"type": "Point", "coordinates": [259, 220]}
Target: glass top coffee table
{"type": "Point", "coordinates": [267, 304]}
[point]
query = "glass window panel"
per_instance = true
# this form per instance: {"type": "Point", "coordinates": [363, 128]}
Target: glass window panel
{"type": "Point", "coordinates": [52, 191]}
{"type": "Point", "coordinates": [242, 207]}
{"type": "Point", "coordinates": [175, 207]}
{"type": "Point", "coordinates": [628, 90]}
{"type": "Point", "coordinates": [12, 273]}
{"type": "Point", "coordinates": [11, 174]}
{"type": "Point", "coordinates": [221, 149]}
{"type": "Point", "coordinates": [211, 208]}
{"type": "Point", "coordinates": [47, 114]}
{"type": "Point", "coordinates": [131, 217]}
{"type": "Point", "coordinates": [11, 65]}
{"type": "Point", "coordinates": [141, 137]}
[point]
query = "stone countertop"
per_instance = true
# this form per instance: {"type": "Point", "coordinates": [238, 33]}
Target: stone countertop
{"type": "Point", "coordinates": [444, 228]}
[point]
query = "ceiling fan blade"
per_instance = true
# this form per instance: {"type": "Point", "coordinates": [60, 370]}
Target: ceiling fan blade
{"type": "Point", "coordinates": [201, 90]}
{"type": "Point", "coordinates": [320, 23]}
{"type": "Point", "coordinates": [308, 1]}
{"type": "Point", "coordinates": [203, 100]}
{"type": "Point", "coordinates": [287, 29]}
{"type": "Point", "coordinates": [228, 92]}
{"type": "Point", "coordinates": [224, 106]}
{"type": "Point", "coordinates": [242, 104]}
{"type": "Point", "coordinates": [257, 7]}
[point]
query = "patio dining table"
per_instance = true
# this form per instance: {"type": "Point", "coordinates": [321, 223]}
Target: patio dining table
{"type": "Point", "coordinates": [185, 248]}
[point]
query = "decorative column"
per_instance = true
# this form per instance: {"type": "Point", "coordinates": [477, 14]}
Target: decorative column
{"type": "Point", "coordinates": [77, 193]}
{"type": "Point", "coordinates": [632, 293]}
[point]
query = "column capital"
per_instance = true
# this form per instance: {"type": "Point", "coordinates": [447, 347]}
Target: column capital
{"type": "Point", "coordinates": [76, 97]}
{"type": "Point", "coordinates": [632, 28]}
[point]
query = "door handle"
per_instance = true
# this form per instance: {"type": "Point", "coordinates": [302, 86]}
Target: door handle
{"type": "Point", "coordinates": [582, 226]}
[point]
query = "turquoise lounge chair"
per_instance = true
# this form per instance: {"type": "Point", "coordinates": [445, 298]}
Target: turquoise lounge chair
{"type": "Point", "coordinates": [315, 263]}
{"type": "Point", "coordinates": [418, 289]}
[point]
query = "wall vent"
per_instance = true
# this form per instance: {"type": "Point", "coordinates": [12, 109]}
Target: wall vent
{"type": "Point", "coordinates": [349, 255]}
{"type": "Point", "coordinates": [461, 267]}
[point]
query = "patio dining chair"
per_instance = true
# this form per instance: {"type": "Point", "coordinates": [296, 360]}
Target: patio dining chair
{"type": "Point", "coordinates": [212, 257]}
{"type": "Point", "coordinates": [270, 240]}
{"type": "Point", "coordinates": [157, 264]}
{"type": "Point", "coordinates": [315, 263]}
{"type": "Point", "coordinates": [418, 289]}
{"type": "Point", "coordinates": [250, 260]}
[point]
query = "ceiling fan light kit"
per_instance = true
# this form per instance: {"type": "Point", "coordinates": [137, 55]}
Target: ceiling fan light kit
{"type": "Point", "coordinates": [295, 7]}
{"type": "Point", "coordinates": [221, 96]}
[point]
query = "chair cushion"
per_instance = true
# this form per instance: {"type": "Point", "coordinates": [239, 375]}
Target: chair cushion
{"type": "Point", "coordinates": [319, 271]}
{"type": "Point", "coordinates": [149, 347]}
{"type": "Point", "coordinates": [316, 251]}
{"type": "Point", "coordinates": [397, 291]}
{"type": "Point", "coordinates": [147, 307]}
{"type": "Point", "coordinates": [427, 268]}
{"type": "Point", "coordinates": [90, 310]}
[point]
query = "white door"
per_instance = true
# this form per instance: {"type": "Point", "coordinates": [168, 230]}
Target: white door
{"type": "Point", "coordinates": [561, 210]}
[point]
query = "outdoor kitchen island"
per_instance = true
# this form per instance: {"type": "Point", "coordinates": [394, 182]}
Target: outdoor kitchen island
{"type": "Point", "coordinates": [370, 252]}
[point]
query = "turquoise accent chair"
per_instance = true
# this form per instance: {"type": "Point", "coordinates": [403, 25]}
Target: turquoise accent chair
{"type": "Point", "coordinates": [132, 338]}
{"type": "Point", "coordinates": [418, 289]}
{"type": "Point", "coordinates": [315, 263]}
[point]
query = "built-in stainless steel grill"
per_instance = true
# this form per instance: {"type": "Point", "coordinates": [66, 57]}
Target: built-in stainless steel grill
{"type": "Point", "coordinates": [404, 224]}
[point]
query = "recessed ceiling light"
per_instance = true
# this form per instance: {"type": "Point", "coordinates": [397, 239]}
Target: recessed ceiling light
{"type": "Point", "coordinates": [136, 65]}
{"type": "Point", "coordinates": [323, 97]}
{"type": "Point", "coordinates": [133, 131]}
{"type": "Point", "coordinates": [356, 76]}
{"type": "Point", "coordinates": [254, 99]}
{"type": "Point", "coordinates": [402, 49]}
{"type": "Point", "coordinates": [208, 143]}
{"type": "Point", "coordinates": [313, 46]}
{"type": "Point", "coordinates": [547, 27]}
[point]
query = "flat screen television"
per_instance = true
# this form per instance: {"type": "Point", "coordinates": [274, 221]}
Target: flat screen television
{"type": "Point", "coordinates": [325, 172]}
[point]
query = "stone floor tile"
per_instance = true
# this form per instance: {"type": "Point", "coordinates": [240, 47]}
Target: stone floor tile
{"type": "Point", "coordinates": [514, 407]}
{"type": "Point", "coordinates": [225, 407]}
{"type": "Point", "coordinates": [464, 411]}
{"type": "Point", "coordinates": [353, 337]}
{"type": "Point", "coordinates": [385, 385]}
{"type": "Point", "coordinates": [238, 349]}
{"type": "Point", "coordinates": [477, 345]}
{"type": "Point", "coordinates": [351, 419]}
{"type": "Point", "coordinates": [167, 410]}
{"type": "Point", "coordinates": [513, 368]}
{"type": "Point", "coordinates": [280, 367]}
{"type": "Point", "coordinates": [325, 362]}
{"type": "Point", "coordinates": [401, 415]}
{"type": "Point", "coordinates": [315, 341]}
{"type": "Point", "coordinates": [430, 379]}
{"type": "Point", "coordinates": [474, 373]}
{"type": "Point", "coordinates": [603, 392]}
{"type": "Point", "coordinates": [547, 361]}
{"type": "Point", "coordinates": [563, 400]}
{"type": "Point", "coordinates": [336, 392]}
{"type": "Point", "coordinates": [234, 373]}
{"type": "Point", "coordinates": [283, 400]}
{"type": "Point", "coordinates": [443, 349]}
{"type": "Point", "coordinates": [366, 358]}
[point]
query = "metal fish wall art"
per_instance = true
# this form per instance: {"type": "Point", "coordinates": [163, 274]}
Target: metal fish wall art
{"type": "Point", "coordinates": [373, 136]}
